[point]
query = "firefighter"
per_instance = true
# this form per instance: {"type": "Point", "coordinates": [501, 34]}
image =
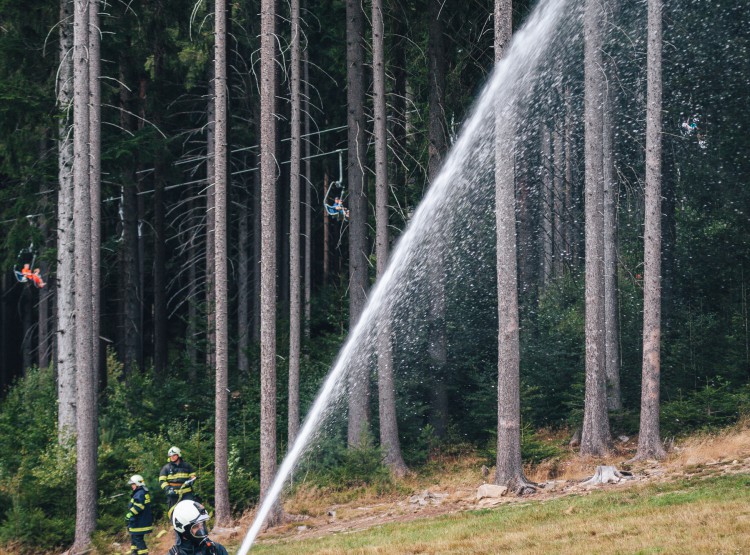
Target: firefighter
{"type": "Point", "coordinates": [190, 522]}
{"type": "Point", "coordinates": [176, 479]}
{"type": "Point", "coordinates": [139, 517]}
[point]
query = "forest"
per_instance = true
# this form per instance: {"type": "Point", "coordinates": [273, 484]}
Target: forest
{"type": "Point", "coordinates": [363, 233]}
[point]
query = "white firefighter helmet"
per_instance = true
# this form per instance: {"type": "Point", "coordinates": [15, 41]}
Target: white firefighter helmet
{"type": "Point", "coordinates": [189, 519]}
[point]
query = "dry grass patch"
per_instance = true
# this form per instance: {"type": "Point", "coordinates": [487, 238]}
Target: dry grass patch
{"type": "Point", "coordinates": [711, 448]}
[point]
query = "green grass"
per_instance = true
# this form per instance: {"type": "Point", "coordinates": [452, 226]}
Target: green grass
{"type": "Point", "coordinates": [683, 517]}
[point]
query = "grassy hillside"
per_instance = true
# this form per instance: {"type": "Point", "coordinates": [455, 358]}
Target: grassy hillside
{"type": "Point", "coordinates": [694, 502]}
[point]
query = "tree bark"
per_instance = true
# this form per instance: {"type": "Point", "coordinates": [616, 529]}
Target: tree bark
{"type": "Point", "coordinates": [129, 264]}
{"type": "Point", "coordinates": [95, 170]}
{"type": "Point", "coordinates": [86, 377]}
{"type": "Point", "coordinates": [558, 197]}
{"type": "Point", "coordinates": [359, 386]}
{"type": "Point", "coordinates": [547, 213]}
{"type": "Point", "coordinates": [389, 441]}
{"type": "Point", "coordinates": [509, 469]}
{"type": "Point", "coordinates": [243, 280]}
{"type": "Point", "coordinates": [210, 226]}
{"type": "Point", "coordinates": [268, 258]}
{"type": "Point", "coordinates": [649, 440]}
{"type": "Point", "coordinates": [308, 199]}
{"type": "Point", "coordinates": [611, 316]}
{"type": "Point", "coordinates": [595, 436]}
{"type": "Point", "coordinates": [295, 308]}
{"type": "Point", "coordinates": [437, 147]}
{"type": "Point", "coordinates": [221, 298]}
{"type": "Point", "coordinates": [192, 327]}
{"type": "Point", "coordinates": [65, 287]}
{"type": "Point", "coordinates": [568, 229]}
{"type": "Point", "coordinates": [257, 254]}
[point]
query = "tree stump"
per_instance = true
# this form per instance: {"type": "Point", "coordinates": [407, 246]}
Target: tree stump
{"type": "Point", "coordinates": [607, 475]}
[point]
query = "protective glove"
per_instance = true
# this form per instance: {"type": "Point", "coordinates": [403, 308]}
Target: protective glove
{"type": "Point", "coordinates": [171, 491]}
{"type": "Point", "coordinates": [128, 516]}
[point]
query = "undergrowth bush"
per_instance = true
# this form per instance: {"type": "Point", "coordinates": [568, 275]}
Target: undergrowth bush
{"type": "Point", "coordinates": [136, 428]}
{"type": "Point", "coordinates": [533, 448]}
{"type": "Point", "coordinates": [717, 405]}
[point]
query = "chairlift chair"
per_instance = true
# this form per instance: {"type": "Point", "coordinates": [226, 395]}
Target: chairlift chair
{"type": "Point", "coordinates": [26, 257]}
{"type": "Point", "coordinates": [337, 210]}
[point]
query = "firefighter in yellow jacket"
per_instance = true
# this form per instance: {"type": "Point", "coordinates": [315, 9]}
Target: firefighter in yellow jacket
{"type": "Point", "coordinates": [176, 479]}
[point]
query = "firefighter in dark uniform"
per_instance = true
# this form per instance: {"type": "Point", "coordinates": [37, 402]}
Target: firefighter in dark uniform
{"type": "Point", "coordinates": [190, 522]}
{"type": "Point", "coordinates": [176, 479]}
{"type": "Point", "coordinates": [139, 517]}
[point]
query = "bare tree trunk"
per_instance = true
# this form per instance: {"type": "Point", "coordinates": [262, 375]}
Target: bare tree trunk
{"type": "Point", "coordinates": [129, 264]}
{"type": "Point", "coordinates": [308, 198]}
{"type": "Point", "coordinates": [509, 469]}
{"type": "Point", "coordinates": [359, 386]}
{"type": "Point", "coordinates": [257, 254]}
{"type": "Point", "coordinates": [65, 289]}
{"type": "Point", "coordinates": [389, 441]}
{"type": "Point", "coordinates": [438, 145]}
{"type": "Point", "coordinates": [210, 226]}
{"type": "Point", "coordinates": [595, 436]}
{"type": "Point", "coordinates": [243, 282]}
{"type": "Point", "coordinates": [268, 258]}
{"type": "Point", "coordinates": [160, 271]}
{"type": "Point", "coordinates": [398, 108]}
{"type": "Point", "coordinates": [86, 376]}
{"type": "Point", "coordinates": [558, 197]}
{"type": "Point", "coordinates": [221, 298]}
{"type": "Point", "coordinates": [95, 170]}
{"type": "Point", "coordinates": [611, 316]}
{"type": "Point", "coordinates": [295, 308]}
{"type": "Point", "coordinates": [649, 440]}
{"type": "Point", "coordinates": [546, 205]}
{"type": "Point", "coordinates": [130, 280]}
{"type": "Point", "coordinates": [191, 331]}
{"type": "Point", "coordinates": [568, 229]}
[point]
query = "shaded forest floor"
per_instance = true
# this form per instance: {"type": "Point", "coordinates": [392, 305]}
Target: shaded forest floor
{"type": "Point", "coordinates": [448, 488]}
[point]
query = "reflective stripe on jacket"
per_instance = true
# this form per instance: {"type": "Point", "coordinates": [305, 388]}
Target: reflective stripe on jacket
{"type": "Point", "coordinates": [142, 521]}
{"type": "Point", "coordinates": [176, 474]}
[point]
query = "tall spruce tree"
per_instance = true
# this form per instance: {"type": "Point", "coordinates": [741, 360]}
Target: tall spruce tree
{"type": "Point", "coordinates": [359, 386]}
{"type": "Point", "coordinates": [86, 375]}
{"type": "Point", "coordinates": [595, 436]}
{"type": "Point", "coordinates": [65, 287]}
{"type": "Point", "coordinates": [295, 299]}
{"type": "Point", "coordinates": [268, 250]}
{"type": "Point", "coordinates": [649, 440]}
{"type": "Point", "coordinates": [509, 469]}
{"type": "Point", "coordinates": [221, 255]}
{"type": "Point", "coordinates": [389, 441]}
